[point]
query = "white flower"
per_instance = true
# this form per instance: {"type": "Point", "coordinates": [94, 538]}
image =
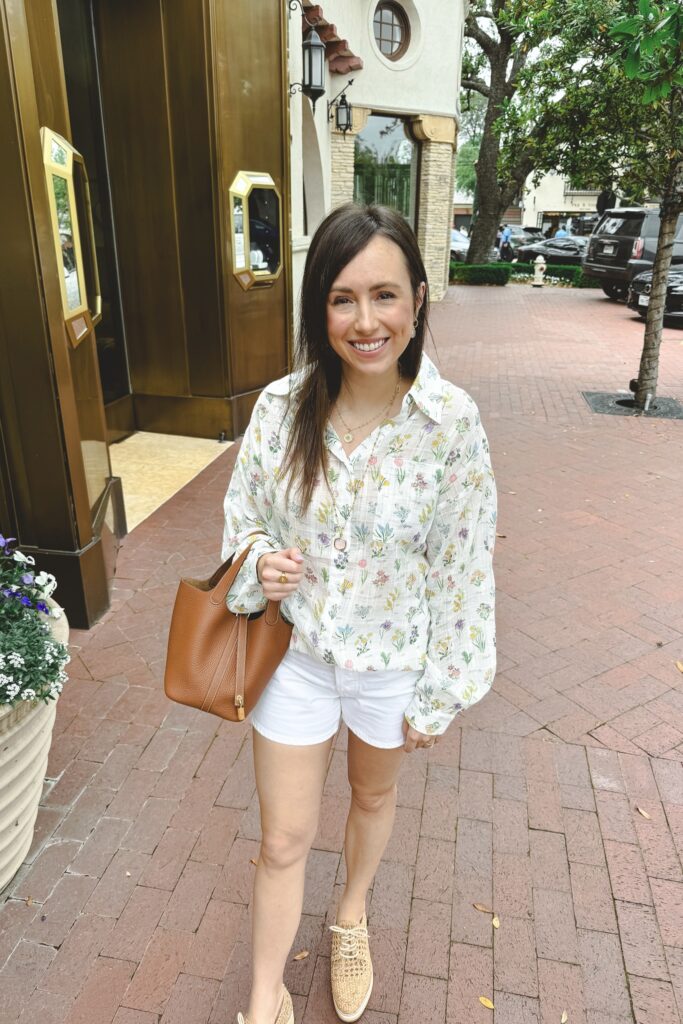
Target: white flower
{"type": "Point", "coordinates": [2, 660]}
{"type": "Point", "coordinates": [12, 690]}
{"type": "Point", "coordinates": [46, 582]}
{"type": "Point", "coordinates": [19, 556]}
{"type": "Point", "coordinates": [15, 660]}
{"type": "Point", "coordinates": [28, 694]}
{"type": "Point", "coordinates": [4, 680]}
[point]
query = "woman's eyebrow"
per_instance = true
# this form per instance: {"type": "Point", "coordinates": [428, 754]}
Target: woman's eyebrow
{"type": "Point", "coordinates": [373, 287]}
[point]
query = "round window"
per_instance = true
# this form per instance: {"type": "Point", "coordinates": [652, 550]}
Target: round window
{"type": "Point", "coordinates": [392, 30]}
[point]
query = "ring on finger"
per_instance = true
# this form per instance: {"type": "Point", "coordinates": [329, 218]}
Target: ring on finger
{"type": "Point", "coordinates": [283, 578]}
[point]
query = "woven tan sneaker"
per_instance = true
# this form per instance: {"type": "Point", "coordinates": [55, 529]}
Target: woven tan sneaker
{"type": "Point", "coordinates": [350, 968]}
{"type": "Point", "coordinates": [285, 1016]}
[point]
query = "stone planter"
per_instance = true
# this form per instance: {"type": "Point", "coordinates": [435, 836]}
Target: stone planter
{"type": "Point", "coordinates": [25, 737]}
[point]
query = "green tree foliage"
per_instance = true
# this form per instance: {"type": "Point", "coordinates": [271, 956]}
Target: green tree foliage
{"type": "Point", "coordinates": [500, 43]}
{"type": "Point", "coordinates": [604, 103]}
{"type": "Point", "coordinates": [465, 166]}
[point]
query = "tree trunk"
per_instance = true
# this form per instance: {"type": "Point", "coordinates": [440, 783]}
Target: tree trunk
{"type": "Point", "coordinates": [649, 360]}
{"type": "Point", "coordinates": [488, 187]}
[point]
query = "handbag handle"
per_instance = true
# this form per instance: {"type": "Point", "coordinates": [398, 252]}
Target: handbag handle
{"type": "Point", "coordinates": [224, 577]}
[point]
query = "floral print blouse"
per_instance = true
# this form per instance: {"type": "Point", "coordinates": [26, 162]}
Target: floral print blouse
{"type": "Point", "coordinates": [414, 588]}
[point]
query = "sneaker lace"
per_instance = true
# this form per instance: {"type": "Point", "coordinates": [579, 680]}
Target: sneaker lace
{"type": "Point", "coordinates": [349, 947]}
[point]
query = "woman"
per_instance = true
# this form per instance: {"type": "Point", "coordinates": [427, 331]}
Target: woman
{"type": "Point", "coordinates": [369, 478]}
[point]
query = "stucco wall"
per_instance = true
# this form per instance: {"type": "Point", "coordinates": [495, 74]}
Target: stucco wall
{"type": "Point", "coordinates": [549, 195]}
{"type": "Point", "coordinates": [425, 81]}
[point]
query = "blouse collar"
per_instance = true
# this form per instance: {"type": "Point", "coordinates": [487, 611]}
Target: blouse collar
{"type": "Point", "coordinates": [426, 391]}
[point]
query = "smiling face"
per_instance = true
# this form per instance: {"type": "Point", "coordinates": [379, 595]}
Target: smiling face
{"type": "Point", "coordinates": [370, 311]}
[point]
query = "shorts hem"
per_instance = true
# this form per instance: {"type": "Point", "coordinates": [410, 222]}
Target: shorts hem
{"type": "Point", "coordinates": [307, 742]}
{"type": "Point", "coordinates": [374, 743]}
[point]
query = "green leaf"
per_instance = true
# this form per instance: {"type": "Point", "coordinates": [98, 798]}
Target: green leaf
{"type": "Point", "coordinates": [627, 27]}
{"type": "Point", "coordinates": [632, 62]}
{"type": "Point", "coordinates": [648, 45]}
{"type": "Point", "coordinates": [644, 7]}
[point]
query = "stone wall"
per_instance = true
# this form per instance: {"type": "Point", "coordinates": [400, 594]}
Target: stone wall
{"type": "Point", "coordinates": [437, 170]}
{"type": "Point", "coordinates": [341, 156]}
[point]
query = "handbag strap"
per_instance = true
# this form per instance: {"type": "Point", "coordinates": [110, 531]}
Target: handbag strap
{"type": "Point", "coordinates": [241, 664]}
{"type": "Point", "coordinates": [226, 574]}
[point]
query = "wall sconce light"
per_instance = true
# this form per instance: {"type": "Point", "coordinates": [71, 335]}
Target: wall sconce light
{"type": "Point", "coordinates": [343, 111]}
{"type": "Point", "coordinates": [313, 48]}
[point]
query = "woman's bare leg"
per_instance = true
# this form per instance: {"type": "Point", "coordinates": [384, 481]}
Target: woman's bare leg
{"type": "Point", "coordinates": [372, 774]}
{"type": "Point", "coordinates": [290, 783]}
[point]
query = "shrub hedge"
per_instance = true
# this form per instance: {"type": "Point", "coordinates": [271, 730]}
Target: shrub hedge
{"type": "Point", "coordinates": [500, 273]}
{"type": "Point", "coordinates": [484, 273]}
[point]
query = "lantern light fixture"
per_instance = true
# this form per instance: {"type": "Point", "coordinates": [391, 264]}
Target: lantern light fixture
{"type": "Point", "coordinates": [343, 111]}
{"type": "Point", "coordinates": [313, 49]}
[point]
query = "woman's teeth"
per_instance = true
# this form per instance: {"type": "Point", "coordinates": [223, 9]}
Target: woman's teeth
{"type": "Point", "coordinates": [368, 346]}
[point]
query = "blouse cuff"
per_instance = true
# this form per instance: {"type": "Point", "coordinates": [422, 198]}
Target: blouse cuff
{"type": "Point", "coordinates": [434, 706]}
{"type": "Point", "coordinates": [246, 594]}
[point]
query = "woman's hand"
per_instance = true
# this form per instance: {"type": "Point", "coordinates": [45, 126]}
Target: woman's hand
{"type": "Point", "coordinates": [274, 566]}
{"type": "Point", "coordinates": [414, 740]}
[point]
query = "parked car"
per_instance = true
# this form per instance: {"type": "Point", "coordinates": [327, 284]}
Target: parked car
{"type": "Point", "coordinates": [623, 245]}
{"type": "Point", "coordinates": [460, 245]}
{"type": "Point", "coordinates": [639, 293]}
{"type": "Point", "coordinates": [568, 251]}
{"type": "Point", "coordinates": [519, 237]}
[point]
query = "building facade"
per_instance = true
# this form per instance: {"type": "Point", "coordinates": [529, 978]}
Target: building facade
{"type": "Point", "coordinates": [553, 201]}
{"type": "Point", "coordinates": [404, 60]}
{"type": "Point", "coordinates": [162, 183]}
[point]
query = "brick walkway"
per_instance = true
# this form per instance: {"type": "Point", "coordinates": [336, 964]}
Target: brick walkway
{"type": "Point", "coordinates": [132, 906]}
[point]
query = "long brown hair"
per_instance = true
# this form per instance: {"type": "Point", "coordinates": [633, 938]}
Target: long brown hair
{"type": "Point", "coordinates": [339, 238]}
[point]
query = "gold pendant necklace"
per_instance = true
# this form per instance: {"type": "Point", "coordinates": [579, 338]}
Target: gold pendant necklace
{"type": "Point", "coordinates": [348, 436]}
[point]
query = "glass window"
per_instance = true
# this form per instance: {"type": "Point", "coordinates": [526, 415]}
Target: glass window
{"type": "Point", "coordinates": [386, 165]}
{"type": "Point", "coordinates": [392, 30]}
{"type": "Point", "coordinates": [621, 224]}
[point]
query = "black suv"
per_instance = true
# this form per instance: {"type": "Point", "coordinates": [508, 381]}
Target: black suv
{"type": "Point", "coordinates": [623, 244]}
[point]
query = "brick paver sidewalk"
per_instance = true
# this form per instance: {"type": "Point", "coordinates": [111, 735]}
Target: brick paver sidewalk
{"type": "Point", "coordinates": [558, 800]}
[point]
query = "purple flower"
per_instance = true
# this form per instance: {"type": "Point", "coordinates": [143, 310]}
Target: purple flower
{"type": "Point", "coordinates": [463, 533]}
{"type": "Point", "coordinates": [324, 539]}
{"type": "Point", "coordinates": [42, 607]}
{"type": "Point", "coordinates": [26, 601]}
{"type": "Point", "coordinates": [460, 625]}
{"type": "Point", "coordinates": [27, 578]}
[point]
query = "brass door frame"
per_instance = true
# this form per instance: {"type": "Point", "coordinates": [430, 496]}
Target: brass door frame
{"type": "Point", "coordinates": [26, 109]}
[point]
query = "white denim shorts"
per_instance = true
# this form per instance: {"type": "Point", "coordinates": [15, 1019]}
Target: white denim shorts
{"type": "Point", "coordinates": [306, 699]}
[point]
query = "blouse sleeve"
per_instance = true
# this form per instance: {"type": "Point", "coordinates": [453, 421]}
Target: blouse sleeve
{"type": "Point", "coordinates": [246, 513]}
{"type": "Point", "coordinates": [461, 653]}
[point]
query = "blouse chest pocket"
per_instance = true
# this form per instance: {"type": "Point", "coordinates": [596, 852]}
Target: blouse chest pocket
{"type": "Point", "coordinates": [407, 493]}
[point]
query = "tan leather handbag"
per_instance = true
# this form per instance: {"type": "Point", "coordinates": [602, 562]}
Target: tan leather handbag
{"type": "Point", "coordinates": [218, 661]}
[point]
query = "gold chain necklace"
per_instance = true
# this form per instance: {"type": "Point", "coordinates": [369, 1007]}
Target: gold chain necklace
{"type": "Point", "coordinates": [348, 436]}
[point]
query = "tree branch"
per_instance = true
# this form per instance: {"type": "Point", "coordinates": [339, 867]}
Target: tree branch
{"type": "Point", "coordinates": [476, 85]}
{"type": "Point", "coordinates": [474, 31]}
{"type": "Point", "coordinates": [517, 64]}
